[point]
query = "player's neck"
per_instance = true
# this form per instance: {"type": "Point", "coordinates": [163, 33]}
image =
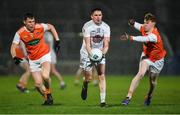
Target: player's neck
{"type": "Point", "coordinates": [28, 30]}
{"type": "Point", "coordinates": [150, 31]}
{"type": "Point", "coordinates": [99, 23]}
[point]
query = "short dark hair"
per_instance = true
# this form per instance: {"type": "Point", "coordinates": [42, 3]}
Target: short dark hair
{"type": "Point", "coordinates": [28, 15]}
{"type": "Point", "coordinates": [95, 9]}
{"type": "Point", "coordinates": [150, 16]}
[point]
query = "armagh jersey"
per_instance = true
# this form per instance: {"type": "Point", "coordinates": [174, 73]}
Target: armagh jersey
{"type": "Point", "coordinates": [153, 50]}
{"type": "Point", "coordinates": [34, 42]}
{"type": "Point", "coordinates": [97, 33]}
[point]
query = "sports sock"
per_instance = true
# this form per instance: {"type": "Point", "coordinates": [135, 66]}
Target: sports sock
{"type": "Point", "coordinates": [103, 97]}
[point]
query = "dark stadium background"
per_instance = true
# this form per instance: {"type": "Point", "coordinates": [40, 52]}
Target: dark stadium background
{"type": "Point", "coordinates": [68, 16]}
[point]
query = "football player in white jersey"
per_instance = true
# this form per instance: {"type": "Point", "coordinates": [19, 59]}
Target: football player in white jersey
{"type": "Point", "coordinates": [96, 34]}
{"type": "Point", "coordinates": [50, 41]}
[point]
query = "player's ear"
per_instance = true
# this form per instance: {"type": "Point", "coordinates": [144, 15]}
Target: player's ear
{"type": "Point", "coordinates": [91, 16]}
{"type": "Point", "coordinates": [23, 22]}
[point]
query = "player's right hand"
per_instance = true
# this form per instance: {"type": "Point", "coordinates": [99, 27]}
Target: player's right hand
{"type": "Point", "coordinates": [57, 46]}
{"type": "Point", "coordinates": [125, 36]}
{"type": "Point", "coordinates": [17, 60]}
{"type": "Point", "coordinates": [131, 22]}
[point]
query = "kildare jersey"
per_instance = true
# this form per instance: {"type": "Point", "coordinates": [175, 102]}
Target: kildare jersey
{"type": "Point", "coordinates": [49, 39]}
{"type": "Point", "coordinates": [97, 34]}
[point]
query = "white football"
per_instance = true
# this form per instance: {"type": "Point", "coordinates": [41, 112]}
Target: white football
{"type": "Point", "coordinates": [96, 54]}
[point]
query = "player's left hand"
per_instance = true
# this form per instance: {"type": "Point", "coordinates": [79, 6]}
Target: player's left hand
{"type": "Point", "coordinates": [125, 36]}
{"type": "Point", "coordinates": [57, 46]}
{"type": "Point", "coordinates": [17, 60]}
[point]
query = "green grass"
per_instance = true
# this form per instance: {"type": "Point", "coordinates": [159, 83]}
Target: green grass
{"type": "Point", "coordinates": [166, 97]}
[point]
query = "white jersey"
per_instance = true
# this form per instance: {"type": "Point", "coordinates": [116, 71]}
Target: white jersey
{"type": "Point", "coordinates": [97, 33]}
{"type": "Point", "coordinates": [49, 39]}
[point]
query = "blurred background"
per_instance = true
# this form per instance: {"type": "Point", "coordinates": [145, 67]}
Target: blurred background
{"type": "Point", "coordinates": [68, 17]}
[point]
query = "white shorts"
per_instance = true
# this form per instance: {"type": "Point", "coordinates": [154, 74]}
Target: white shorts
{"type": "Point", "coordinates": [35, 65]}
{"type": "Point", "coordinates": [53, 57]}
{"type": "Point", "coordinates": [154, 67]}
{"type": "Point", "coordinates": [85, 62]}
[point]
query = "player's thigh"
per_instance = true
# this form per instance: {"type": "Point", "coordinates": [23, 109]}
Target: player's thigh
{"type": "Point", "coordinates": [143, 67]}
{"type": "Point", "coordinates": [45, 62]}
{"type": "Point", "coordinates": [101, 69]}
{"type": "Point", "coordinates": [85, 62]}
{"type": "Point", "coordinates": [46, 66]}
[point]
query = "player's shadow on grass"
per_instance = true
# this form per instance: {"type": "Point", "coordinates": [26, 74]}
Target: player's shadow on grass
{"type": "Point", "coordinates": [113, 105]}
{"type": "Point", "coordinates": [107, 106]}
{"type": "Point", "coordinates": [55, 104]}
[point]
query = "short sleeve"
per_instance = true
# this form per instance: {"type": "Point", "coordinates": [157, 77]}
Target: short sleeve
{"type": "Point", "coordinates": [107, 32]}
{"type": "Point", "coordinates": [86, 32]}
{"type": "Point", "coordinates": [45, 26]}
{"type": "Point", "coordinates": [16, 39]}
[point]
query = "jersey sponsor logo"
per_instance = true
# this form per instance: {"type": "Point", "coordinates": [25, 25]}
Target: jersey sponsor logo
{"type": "Point", "coordinates": [97, 35]}
{"type": "Point", "coordinates": [37, 33]}
{"type": "Point", "coordinates": [97, 39]}
{"type": "Point", "coordinates": [33, 42]}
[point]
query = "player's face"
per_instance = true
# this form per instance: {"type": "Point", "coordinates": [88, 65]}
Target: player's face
{"type": "Point", "coordinates": [97, 17]}
{"type": "Point", "coordinates": [30, 23]}
{"type": "Point", "coordinates": [148, 25]}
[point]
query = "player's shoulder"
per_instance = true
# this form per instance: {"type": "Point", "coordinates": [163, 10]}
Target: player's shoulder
{"type": "Point", "coordinates": [22, 29]}
{"type": "Point", "coordinates": [88, 24]}
{"type": "Point", "coordinates": [105, 24]}
{"type": "Point", "coordinates": [39, 25]}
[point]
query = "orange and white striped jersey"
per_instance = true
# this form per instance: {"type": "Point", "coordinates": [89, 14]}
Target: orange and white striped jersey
{"type": "Point", "coordinates": [34, 42]}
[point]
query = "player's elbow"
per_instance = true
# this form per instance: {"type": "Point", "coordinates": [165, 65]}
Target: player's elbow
{"type": "Point", "coordinates": [50, 26]}
{"type": "Point", "coordinates": [13, 49]}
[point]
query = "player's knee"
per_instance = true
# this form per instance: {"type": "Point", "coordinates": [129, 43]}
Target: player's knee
{"type": "Point", "coordinates": [140, 74]}
{"type": "Point", "coordinates": [38, 84]}
{"type": "Point", "coordinates": [45, 75]}
{"type": "Point", "coordinates": [153, 75]}
{"type": "Point", "coordinates": [101, 77]}
{"type": "Point", "coordinates": [88, 76]}
{"type": "Point", "coordinates": [28, 73]}
{"type": "Point", "coordinates": [153, 82]}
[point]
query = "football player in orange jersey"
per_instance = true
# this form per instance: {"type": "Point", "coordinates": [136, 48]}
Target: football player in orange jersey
{"type": "Point", "coordinates": [38, 53]}
{"type": "Point", "coordinates": [22, 54]}
{"type": "Point", "coordinates": [152, 58]}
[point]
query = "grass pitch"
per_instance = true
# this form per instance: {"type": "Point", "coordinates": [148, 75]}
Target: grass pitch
{"type": "Point", "coordinates": [166, 97]}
